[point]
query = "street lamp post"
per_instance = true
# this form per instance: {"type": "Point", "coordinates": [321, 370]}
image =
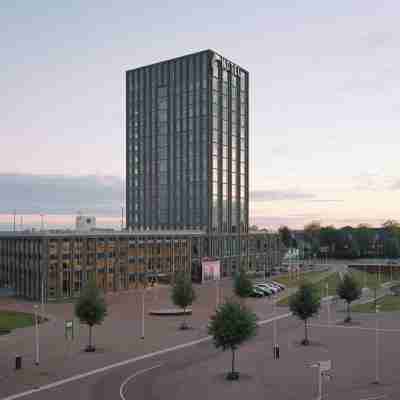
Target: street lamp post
{"type": "Point", "coordinates": [216, 293]}
{"type": "Point", "coordinates": [143, 292]}
{"type": "Point", "coordinates": [36, 307]}
{"type": "Point", "coordinates": [328, 301]}
{"type": "Point", "coordinates": [42, 298]}
{"type": "Point", "coordinates": [275, 332]}
{"type": "Point", "coordinates": [376, 345]}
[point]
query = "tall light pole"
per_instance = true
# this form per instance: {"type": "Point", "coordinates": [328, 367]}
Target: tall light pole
{"type": "Point", "coordinates": [36, 307]}
{"type": "Point", "coordinates": [376, 344]}
{"type": "Point", "coordinates": [42, 297]}
{"type": "Point", "coordinates": [217, 294]}
{"type": "Point", "coordinates": [274, 327]}
{"type": "Point", "coordinates": [143, 291]}
{"type": "Point", "coordinates": [42, 222]}
{"type": "Point", "coordinates": [328, 301]}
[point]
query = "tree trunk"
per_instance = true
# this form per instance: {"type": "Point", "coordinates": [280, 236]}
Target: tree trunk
{"type": "Point", "coordinates": [305, 332]}
{"type": "Point", "coordinates": [184, 318]}
{"type": "Point", "coordinates": [90, 336]}
{"type": "Point", "coordinates": [348, 312]}
{"type": "Point", "coordinates": [233, 362]}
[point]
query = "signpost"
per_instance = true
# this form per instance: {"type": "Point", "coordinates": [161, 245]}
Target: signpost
{"type": "Point", "coordinates": [69, 329]}
{"type": "Point", "coordinates": [323, 372]}
{"type": "Point", "coordinates": [376, 345]}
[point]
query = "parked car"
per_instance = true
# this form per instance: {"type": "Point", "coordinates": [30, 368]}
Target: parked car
{"type": "Point", "coordinates": [264, 289]}
{"type": "Point", "coordinates": [256, 293]}
{"type": "Point", "coordinates": [276, 284]}
{"type": "Point", "coordinates": [281, 285]}
{"type": "Point", "coordinates": [271, 287]}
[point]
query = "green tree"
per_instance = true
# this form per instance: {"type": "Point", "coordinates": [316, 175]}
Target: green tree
{"type": "Point", "coordinates": [328, 237]}
{"type": "Point", "coordinates": [391, 247]}
{"type": "Point", "coordinates": [392, 227]}
{"type": "Point", "coordinates": [349, 290]}
{"type": "Point", "coordinates": [242, 285]}
{"type": "Point", "coordinates": [354, 248]}
{"type": "Point", "coordinates": [312, 232]}
{"type": "Point", "coordinates": [91, 309]}
{"type": "Point", "coordinates": [182, 293]}
{"type": "Point", "coordinates": [230, 326]}
{"type": "Point", "coordinates": [304, 304]}
{"type": "Point", "coordinates": [365, 235]}
{"type": "Point", "coordinates": [286, 236]}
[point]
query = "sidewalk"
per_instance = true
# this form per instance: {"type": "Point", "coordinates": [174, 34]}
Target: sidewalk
{"type": "Point", "coordinates": [116, 339]}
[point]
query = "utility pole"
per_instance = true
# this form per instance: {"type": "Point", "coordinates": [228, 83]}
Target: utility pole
{"type": "Point", "coordinates": [143, 292]}
{"type": "Point", "coordinates": [15, 214]}
{"type": "Point", "coordinates": [376, 345]}
{"type": "Point", "coordinates": [36, 334]}
{"type": "Point", "coordinates": [328, 301]}
{"type": "Point", "coordinates": [42, 297]}
{"type": "Point", "coordinates": [42, 222]}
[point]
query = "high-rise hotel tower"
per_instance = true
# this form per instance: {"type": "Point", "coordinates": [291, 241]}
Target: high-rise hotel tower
{"type": "Point", "coordinates": [187, 133]}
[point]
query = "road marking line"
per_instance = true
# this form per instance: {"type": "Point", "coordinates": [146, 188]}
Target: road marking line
{"type": "Point", "coordinates": [383, 396]}
{"type": "Point", "coordinates": [121, 389]}
{"type": "Point", "coordinates": [125, 362]}
{"type": "Point", "coordinates": [354, 327]}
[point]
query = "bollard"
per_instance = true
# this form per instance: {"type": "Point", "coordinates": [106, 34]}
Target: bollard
{"type": "Point", "coordinates": [276, 352]}
{"type": "Point", "coordinates": [18, 362]}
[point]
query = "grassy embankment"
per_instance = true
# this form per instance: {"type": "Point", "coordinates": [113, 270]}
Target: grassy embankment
{"type": "Point", "coordinates": [386, 303]}
{"type": "Point", "coordinates": [314, 276]}
{"type": "Point", "coordinates": [370, 280]}
{"type": "Point", "coordinates": [10, 320]}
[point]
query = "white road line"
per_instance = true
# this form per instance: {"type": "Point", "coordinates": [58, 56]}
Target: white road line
{"type": "Point", "coordinates": [383, 396]}
{"type": "Point", "coordinates": [121, 389]}
{"type": "Point", "coordinates": [353, 327]}
{"type": "Point", "coordinates": [125, 362]}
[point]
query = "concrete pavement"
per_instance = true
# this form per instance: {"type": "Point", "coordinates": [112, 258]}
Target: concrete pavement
{"type": "Point", "coordinates": [117, 339]}
{"type": "Point", "coordinates": [198, 372]}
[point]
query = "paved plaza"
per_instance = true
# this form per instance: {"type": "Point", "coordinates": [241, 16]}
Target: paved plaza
{"type": "Point", "coordinates": [198, 370]}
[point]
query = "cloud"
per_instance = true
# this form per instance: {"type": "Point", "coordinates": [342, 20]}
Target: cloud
{"type": "Point", "coordinates": [290, 194]}
{"type": "Point", "coordinates": [294, 221]}
{"type": "Point", "coordinates": [395, 185]}
{"type": "Point", "coordinates": [375, 181]}
{"type": "Point", "coordinates": [376, 40]}
{"type": "Point", "coordinates": [61, 194]}
{"type": "Point", "coordinates": [274, 195]}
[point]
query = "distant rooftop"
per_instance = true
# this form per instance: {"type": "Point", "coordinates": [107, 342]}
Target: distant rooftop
{"type": "Point", "coordinates": [98, 233]}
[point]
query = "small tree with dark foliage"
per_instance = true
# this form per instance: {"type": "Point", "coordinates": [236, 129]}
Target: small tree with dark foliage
{"type": "Point", "coordinates": [304, 304]}
{"type": "Point", "coordinates": [242, 285]}
{"type": "Point", "coordinates": [230, 326]}
{"type": "Point", "coordinates": [91, 309]}
{"type": "Point", "coordinates": [349, 290]}
{"type": "Point", "coordinates": [183, 294]}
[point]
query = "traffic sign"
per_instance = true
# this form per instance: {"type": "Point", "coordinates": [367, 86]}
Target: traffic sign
{"type": "Point", "coordinates": [69, 329]}
{"type": "Point", "coordinates": [325, 365]}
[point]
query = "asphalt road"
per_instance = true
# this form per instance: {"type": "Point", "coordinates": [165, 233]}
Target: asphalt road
{"type": "Point", "coordinates": [197, 372]}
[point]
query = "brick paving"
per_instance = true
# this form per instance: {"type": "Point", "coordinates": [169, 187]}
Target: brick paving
{"type": "Point", "coordinates": [116, 339]}
{"type": "Point", "coordinates": [119, 338]}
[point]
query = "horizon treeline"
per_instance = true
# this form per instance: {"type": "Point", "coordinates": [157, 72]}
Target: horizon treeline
{"type": "Point", "coordinates": [346, 242]}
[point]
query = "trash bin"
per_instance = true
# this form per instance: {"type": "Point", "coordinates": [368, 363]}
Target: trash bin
{"type": "Point", "coordinates": [18, 362]}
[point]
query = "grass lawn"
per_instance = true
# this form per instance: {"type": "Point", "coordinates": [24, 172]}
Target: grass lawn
{"type": "Point", "coordinates": [319, 278]}
{"type": "Point", "coordinates": [387, 303]}
{"type": "Point", "coordinates": [312, 276]}
{"type": "Point", "coordinates": [332, 280]}
{"type": "Point", "coordinates": [10, 320]}
{"type": "Point", "coordinates": [370, 279]}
